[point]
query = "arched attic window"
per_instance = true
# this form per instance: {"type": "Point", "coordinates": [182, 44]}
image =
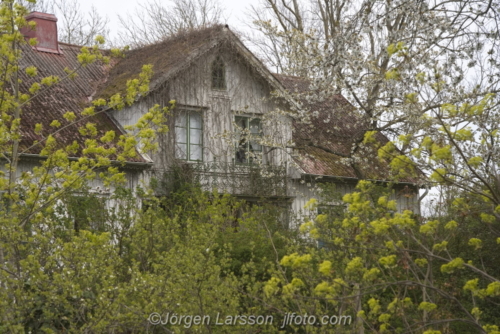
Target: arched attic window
{"type": "Point", "coordinates": [218, 74]}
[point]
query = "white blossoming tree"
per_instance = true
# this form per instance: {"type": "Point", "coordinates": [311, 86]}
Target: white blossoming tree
{"type": "Point", "coordinates": [426, 75]}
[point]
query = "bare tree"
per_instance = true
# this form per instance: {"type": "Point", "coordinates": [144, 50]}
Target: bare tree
{"type": "Point", "coordinates": [154, 21]}
{"type": "Point", "coordinates": [277, 22]}
{"type": "Point", "coordinates": [78, 27]}
{"type": "Point", "coordinates": [45, 6]}
{"type": "Point", "coordinates": [75, 26]}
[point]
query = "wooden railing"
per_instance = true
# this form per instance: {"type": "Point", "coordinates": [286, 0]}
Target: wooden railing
{"type": "Point", "coordinates": [237, 179]}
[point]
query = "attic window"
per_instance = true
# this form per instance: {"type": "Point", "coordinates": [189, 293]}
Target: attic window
{"type": "Point", "coordinates": [218, 74]}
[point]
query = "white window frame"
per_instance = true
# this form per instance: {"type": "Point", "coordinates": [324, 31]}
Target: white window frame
{"type": "Point", "coordinates": [187, 122]}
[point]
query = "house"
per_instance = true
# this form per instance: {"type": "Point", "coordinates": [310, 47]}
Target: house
{"type": "Point", "coordinates": [233, 127]}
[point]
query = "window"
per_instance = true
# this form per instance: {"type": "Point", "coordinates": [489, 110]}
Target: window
{"type": "Point", "coordinates": [218, 74]}
{"type": "Point", "coordinates": [189, 136]}
{"type": "Point", "coordinates": [248, 133]}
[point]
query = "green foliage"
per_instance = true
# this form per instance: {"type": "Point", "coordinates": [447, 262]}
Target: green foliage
{"type": "Point", "coordinates": [383, 265]}
{"type": "Point", "coordinates": [121, 263]}
{"type": "Point", "coordinates": [72, 264]}
{"type": "Point", "coordinates": [69, 254]}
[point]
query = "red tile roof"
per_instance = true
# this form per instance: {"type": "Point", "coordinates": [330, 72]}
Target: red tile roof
{"type": "Point", "coordinates": [69, 95]}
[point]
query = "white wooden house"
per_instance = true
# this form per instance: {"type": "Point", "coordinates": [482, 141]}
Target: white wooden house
{"type": "Point", "coordinates": [234, 127]}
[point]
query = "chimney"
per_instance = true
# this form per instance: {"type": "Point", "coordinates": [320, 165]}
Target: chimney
{"type": "Point", "coordinates": [45, 32]}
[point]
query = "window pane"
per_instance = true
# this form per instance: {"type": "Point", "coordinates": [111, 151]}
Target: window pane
{"type": "Point", "coordinates": [241, 156]}
{"type": "Point", "coordinates": [241, 122]}
{"type": "Point", "coordinates": [255, 147]}
{"type": "Point", "coordinates": [195, 121]}
{"type": "Point", "coordinates": [87, 212]}
{"type": "Point", "coordinates": [181, 151]}
{"type": "Point", "coordinates": [248, 132]}
{"type": "Point", "coordinates": [180, 119]}
{"type": "Point", "coordinates": [195, 152]}
{"type": "Point", "coordinates": [195, 136]}
{"type": "Point", "coordinates": [180, 135]}
{"type": "Point", "coordinates": [255, 126]}
{"type": "Point", "coordinates": [218, 74]}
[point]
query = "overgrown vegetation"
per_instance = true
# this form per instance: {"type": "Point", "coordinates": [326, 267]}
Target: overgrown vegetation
{"type": "Point", "coordinates": [71, 262]}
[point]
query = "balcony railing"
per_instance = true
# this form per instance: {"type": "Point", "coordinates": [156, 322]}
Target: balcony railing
{"type": "Point", "coordinates": [236, 179]}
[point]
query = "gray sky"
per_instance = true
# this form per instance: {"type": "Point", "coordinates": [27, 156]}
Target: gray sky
{"type": "Point", "coordinates": [234, 10]}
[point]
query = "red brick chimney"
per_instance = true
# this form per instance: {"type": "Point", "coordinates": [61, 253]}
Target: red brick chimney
{"type": "Point", "coordinates": [45, 32]}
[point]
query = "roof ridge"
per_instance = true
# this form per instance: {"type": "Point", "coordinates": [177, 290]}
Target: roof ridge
{"type": "Point", "coordinates": [183, 33]}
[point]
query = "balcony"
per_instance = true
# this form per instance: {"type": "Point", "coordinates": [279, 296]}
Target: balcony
{"type": "Point", "coordinates": [249, 180]}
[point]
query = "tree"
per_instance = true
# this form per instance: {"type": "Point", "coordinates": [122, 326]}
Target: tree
{"type": "Point", "coordinates": [39, 252]}
{"type": "Point", "coordinates": [62, 271]}
{"type": "Point", "coordinates": [69, 263]}
{"type": "Point", "coordinates": [425, 74]}
{"type": "Point", "coordinates": [153, 21]}
{"type": "Point", "coordinates": [389, 272]}
{"type": "Point", "coordinates": [276, 22]}
{"type": "Point", "coordinates": [408, 69]}
{"type": "Point", "coordinates": [42, 5]}
{"type": "Point", "coordinates": [75, 26]}
{"type": "Point", "coordinates": [352, 48]}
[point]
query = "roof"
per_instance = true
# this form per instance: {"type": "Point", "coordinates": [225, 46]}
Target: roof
{"type": "Point", "coordinates": [69, 95]}
{"type": "Point", "coordinates": [325, 134]}
{"type": "Point", "coordinates": [165, 56]}
{"type": "Point", "coordinates": [175, 53]}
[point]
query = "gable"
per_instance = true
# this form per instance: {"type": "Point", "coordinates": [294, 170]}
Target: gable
{"type": "Point", "coordinates": [177, 53]}
{"type": "Point", "coordinates": [245, 89]}
{"type": "Point", "coordinates": [246, 93]}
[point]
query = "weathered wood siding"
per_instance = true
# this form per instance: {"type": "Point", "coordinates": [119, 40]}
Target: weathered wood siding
{"type": "Point", "coordinates": [133, 179]}
{"type": "Point", "coordinates": [406, 198]}
{"type": "Point", "coordinates": [247, 93]}
{"type": "Point", "coordinates": [304, 191]}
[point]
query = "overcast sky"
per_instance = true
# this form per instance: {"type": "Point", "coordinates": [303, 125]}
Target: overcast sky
{"type": "Point", "coordinates": [234, 10]}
